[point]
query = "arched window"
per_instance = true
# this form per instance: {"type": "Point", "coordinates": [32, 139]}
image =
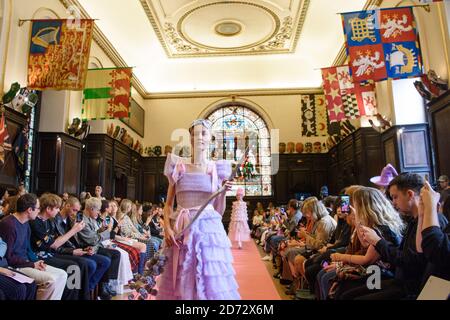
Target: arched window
{"type": "Point", "coordinates": [236, 130]}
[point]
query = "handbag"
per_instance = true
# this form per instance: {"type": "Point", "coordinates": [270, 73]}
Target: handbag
{"type": "Point", "coordinates": [350, 272]}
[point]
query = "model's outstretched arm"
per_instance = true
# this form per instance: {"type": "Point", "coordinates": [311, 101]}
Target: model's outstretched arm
{"type": "Point", "coordinates": [168, 210]}
{"type": "Point", "coordinates": [220, 204]}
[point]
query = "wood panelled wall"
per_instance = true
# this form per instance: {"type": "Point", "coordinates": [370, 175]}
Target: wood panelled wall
{"type": "Point", "coordinates": [58, 164]}
{"type": "Point", "coordinates": [439, 119]}
{"type": "Point", "coordinates": [408, 149]}
{"type": "Point", "coordinates": [109, 163]}
{"type": "Point", "coordinates": [124, 173]}
{"type": "Point", "coordinates": [355, 160]}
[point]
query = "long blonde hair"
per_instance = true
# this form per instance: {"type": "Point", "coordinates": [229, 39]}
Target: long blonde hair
{"type": "Point", "coordinates": [124, 209]}
{"type": "Point", "coordinates": [134, 215]}
{"type": "Point", "coordinates": [373, 209]}
{"type": "Point", "coordinates": [317, 208]}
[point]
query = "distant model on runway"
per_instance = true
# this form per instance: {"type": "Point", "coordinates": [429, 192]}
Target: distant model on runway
{"type": "Point", "coordinates": [199, 264]}
{"type": "Point", "coordinates": [239, 230]}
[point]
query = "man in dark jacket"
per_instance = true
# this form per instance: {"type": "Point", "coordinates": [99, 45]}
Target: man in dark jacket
{"type": "Point", "coordinates": [435, 243]}
{"type": "Point", "coordinates": [54, 250]}
{"type": "Point", "coordinates": [64, 223]}
{"type": "Point", "coordinates": [410, 264]}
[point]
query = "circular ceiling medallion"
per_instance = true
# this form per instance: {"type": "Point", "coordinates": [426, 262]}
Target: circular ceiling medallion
{"type": "Point", "coordinates": [228, 26]}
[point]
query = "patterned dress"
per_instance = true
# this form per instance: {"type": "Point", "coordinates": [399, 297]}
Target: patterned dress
{"type": "Point", "coordinates": [201, 268]}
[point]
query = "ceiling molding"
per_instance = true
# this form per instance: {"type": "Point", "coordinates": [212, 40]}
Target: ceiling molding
{"type": "Point", "coordinates": [103, 42]}
{"type": "Point", "coordinates": [236, 93]}
{"type": "Point", "coordinates": [270, 46]}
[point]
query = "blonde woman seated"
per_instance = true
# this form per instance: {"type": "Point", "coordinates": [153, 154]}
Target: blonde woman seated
{"type": "Point", "coordinates": [137, 251]}
{"type": "Point", "coordinates": [372, 209]}
{"type": "Point", "coordinates": [129, 230]}
{"type": "Point", "coordinates": [322, 226]}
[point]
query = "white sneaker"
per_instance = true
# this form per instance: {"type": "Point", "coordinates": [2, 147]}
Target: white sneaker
{"type": "Point", "coordinates": [267, 258]}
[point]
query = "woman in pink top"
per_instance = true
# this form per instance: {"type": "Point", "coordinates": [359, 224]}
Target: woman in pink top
{"type": "Point", "coordinates": [199, 264]}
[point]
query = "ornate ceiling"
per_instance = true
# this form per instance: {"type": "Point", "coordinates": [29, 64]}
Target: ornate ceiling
{"type": "Point", "coordinates": [195, 28]}
{"type": "Point", "coordinates": [214, 47]}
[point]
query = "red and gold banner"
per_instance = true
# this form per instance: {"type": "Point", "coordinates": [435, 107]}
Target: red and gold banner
{"type": "Point", "coordinates": [346, 99]}
{"type": "Point", "coordinates": [59, 54]}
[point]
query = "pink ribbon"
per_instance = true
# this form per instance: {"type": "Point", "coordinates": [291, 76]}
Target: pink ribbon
{"type": "Point", "coordinates": [183, 219]}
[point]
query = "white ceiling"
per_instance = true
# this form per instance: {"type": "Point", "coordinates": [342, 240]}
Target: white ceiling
{"type": "Point", "coordinates": [129, 30]}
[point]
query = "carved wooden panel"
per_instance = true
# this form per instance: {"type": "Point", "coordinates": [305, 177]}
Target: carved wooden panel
{"type": "Point", "coordinates": [414, 149]}
{"type": "Point", "coordinates": [72, 169]}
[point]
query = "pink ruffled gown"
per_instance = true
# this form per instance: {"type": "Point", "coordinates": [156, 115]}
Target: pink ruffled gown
{"type": "Point", "coordinates": [239, 230]}
{"type": "Point", "coordinates": [201, 269]}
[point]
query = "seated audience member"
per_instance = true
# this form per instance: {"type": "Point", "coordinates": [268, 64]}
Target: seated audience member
{"type": "Point", "coordinates": [435, 243]}
{"type": "Point", "coordinates": [91, 239]}
{"type": "Point", "coordinates": [445, 209]}
{"type": "Point", "coordinates": [329, 203]}
{"type": "Point", "coordinates": [12, 289]}
{"type": "Point", "coordinates": [143, 228]}
{"type": "Point", "coordinates": [260, 207]}
{"type": "Point", "coordinates": [15, 231]}
{"type": "Point", "coordinates": [4, 194]}
{"type": "Point", "coordinates": [293, 219]}
{"type": "Point", "coordinates": [125, 273]}
{"type": "Point", "coordinates": [444, 188]}
{"type": "Point", "coordinates": [136, 250]}
{"type": "Point", "coordinates": [9, 206]}
{"type": "Point", "coordinates": [257, 221]}
{"type": "Point", "coordinates": [327, 274]}
{"type": "Point", "coordinates": [338, 243]}
{"type": "Point", "coordinates": [372, 209]}
{"type": "Point", "coordinates": [49, 246]}
{"type": "Point", "coordinates": [410, 265]}
{"type": "Point", "coordinates": [150, 215]}
{"type": "Point", "coordinates": [127, 228]}
{"type": "Point", "coordinates": [64, 222]}
{"type": "Point", "coordinates": [321, 228]}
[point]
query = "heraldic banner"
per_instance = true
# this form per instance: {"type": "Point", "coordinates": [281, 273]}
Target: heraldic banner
{"type": "Point", "coordinates": [59, 54]}
{"type": "Point", "coordinates": [314, 116]}
{"type": "Point", "coordinates": [382, 44]}
{"type": "Point", "coordinates": [107, 94]}
{"type": "Point", "coordinates": [346, 99]}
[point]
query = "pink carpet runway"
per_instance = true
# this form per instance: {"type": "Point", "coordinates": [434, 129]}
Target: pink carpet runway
{"type": "Point", "coordinates": [255, 282]}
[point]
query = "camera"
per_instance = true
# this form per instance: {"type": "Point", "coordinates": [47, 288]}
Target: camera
{"type": "Point", "coordinates": [345, 203]}
{"type": "Point", "coordinates": [108, 220]}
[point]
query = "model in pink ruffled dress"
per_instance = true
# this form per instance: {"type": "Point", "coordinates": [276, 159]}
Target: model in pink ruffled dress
{"type": "Point", "coordinates": [239, 230]}
{"type": "Point", "coordinates": [199, 266]}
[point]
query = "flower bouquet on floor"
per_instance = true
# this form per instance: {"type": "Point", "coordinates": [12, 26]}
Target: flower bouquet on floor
{"type": "Point", "coordinates": [145, 284]}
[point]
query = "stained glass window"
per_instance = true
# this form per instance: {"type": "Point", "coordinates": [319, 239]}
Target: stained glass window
{"type": "Point", "coordinates": [237, 130]}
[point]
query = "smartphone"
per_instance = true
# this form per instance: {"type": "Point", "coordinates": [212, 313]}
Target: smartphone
{"type": "Point", "coordinates": [108, 220]}
{"type": "Point", "coordinates": [325, 264]}
{"type": "Point", "coordinates": [79, 216]}
{"type": "Point", "coordinates": [345, 203]}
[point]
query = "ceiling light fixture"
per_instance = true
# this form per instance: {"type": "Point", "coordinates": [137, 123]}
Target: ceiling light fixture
{"type": "Point", "coordinates": [228, 28]}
